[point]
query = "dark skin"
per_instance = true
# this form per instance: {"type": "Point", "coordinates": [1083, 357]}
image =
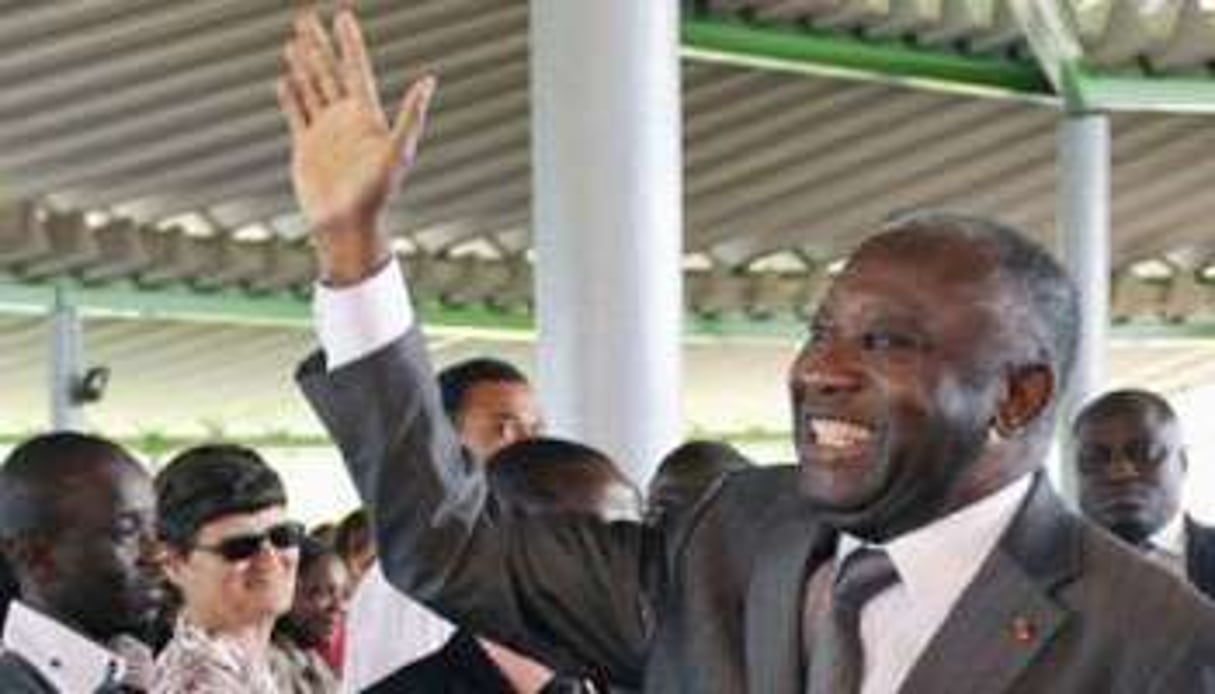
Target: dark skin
{"type": "Point", "coordinates": [98, 570]}
{"type": "Point", "coordinates": [320, 600]}
{"type": "Point", "coordinates": [904, 412]}
{"type": "Point", "coordinates": [1131, 465]}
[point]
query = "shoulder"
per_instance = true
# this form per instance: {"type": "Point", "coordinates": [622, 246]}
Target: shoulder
{"type": "Point", "coordinates": [1125, 592]}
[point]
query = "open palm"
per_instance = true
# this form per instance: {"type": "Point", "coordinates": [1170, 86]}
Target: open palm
{"type": "Point", "coordinates": [346, 159]}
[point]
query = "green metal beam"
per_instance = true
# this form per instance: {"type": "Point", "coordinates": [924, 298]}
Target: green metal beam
{"type": "Point", "coordinates": [231, 306]}
{"type": "Point", "coordinates": [822, 53]}
{"type": "Point", "coordinates": [1085, 89]}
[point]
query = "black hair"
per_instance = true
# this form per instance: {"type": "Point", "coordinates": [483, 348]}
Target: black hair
{"type": "Point", "coordinates": [1123, 401]}
{"type": "Point", "coordinates": [550, 475]}
{"type": "Point", "coordinates": [697, 459]}
{"type": "Point", "coordinates": [206, 482]}
{"type": "Point", "coordinates": [456, 380]}
{"type": "Point", "coordinates": [353, 534]}
{"type": "Point", "coordinates": [33, 475]}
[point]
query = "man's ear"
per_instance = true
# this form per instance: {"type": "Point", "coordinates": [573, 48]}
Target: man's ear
{"type": "Point", "coordinates": [172, 562]}
{"type": "Point", "coordinates": [32, 556]}
{"type": "Point", "coordinates": [1028, 392]}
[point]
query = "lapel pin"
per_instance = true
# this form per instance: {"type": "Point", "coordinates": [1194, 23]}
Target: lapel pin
{"type": "Point", "coordinates": [1023, 631]}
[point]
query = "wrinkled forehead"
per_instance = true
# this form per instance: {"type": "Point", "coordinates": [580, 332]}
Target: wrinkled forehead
{"type": "Point", "coordinates": [921, 273]}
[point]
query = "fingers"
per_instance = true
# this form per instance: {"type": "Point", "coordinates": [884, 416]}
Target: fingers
{"type": "Point", "coordinates": [312, 67]}
{"type": "Point", "coordinates": [411, 120]}
{"type": "Point", "coordinates": [356, 72]}
{"type": "Point", "coordinates": [307, 100]}
{"type": "Point", "coordinates": [318, 54]}
{"type": "Point", "coordinates": [291, 106]}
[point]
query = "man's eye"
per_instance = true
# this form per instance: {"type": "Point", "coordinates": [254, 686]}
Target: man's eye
{"type": "Point", "coordinates": [880, 341]}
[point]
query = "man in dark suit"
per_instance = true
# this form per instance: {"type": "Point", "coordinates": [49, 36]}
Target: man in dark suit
{"type": "Point", "coordinates": [923, 405]}
{"type": "Point", "coordinates": [77, 524]}
{"type": "Point", "coordinates": [1131, 464]}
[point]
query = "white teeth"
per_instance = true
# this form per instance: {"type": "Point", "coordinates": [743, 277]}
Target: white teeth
{"type": "Point", "coordinates": [837, 434]}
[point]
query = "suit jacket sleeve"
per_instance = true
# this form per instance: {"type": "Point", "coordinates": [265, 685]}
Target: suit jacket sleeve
{"type": "Point", "coordinates": [570, 590]}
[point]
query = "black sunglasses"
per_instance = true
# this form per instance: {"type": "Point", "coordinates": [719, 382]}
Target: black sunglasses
{"type": "Point", "coordinates": [240, 547]}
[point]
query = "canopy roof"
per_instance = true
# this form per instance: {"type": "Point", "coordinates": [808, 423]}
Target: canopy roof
{"type": "Point", "coordinates": [144, 158]}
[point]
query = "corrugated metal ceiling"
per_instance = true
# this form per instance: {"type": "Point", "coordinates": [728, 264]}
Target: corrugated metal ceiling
{"type": "Point", "coordinates": [143, 143]}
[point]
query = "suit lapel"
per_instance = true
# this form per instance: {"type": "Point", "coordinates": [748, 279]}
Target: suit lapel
{"type": "Point", "coordinates": [774, 604]}
{"type": "Point", "coordinates": [1007, 617]}
{"type": "Point", "coordinates": [1200, 556]}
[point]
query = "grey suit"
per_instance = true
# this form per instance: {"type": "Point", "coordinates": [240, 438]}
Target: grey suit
{"type": "Point", "coordinates": [715, 606]}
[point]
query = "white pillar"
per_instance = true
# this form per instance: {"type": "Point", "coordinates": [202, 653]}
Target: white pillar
{"type": "Point", "coordinates": [1084, 226]}
{"type": "Point", "coordinates": [607, 214]}
{"type": "Point", "coordinates": [67, 366]}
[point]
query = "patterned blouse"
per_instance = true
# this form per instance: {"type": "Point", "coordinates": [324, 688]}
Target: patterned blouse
{"type": "Point", "coordinates": [197, 663]}
{"type": "Point", "coordinates": [300, 670]}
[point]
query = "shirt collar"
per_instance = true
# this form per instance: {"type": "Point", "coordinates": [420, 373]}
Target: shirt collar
{"type": "Point", "coordinates": [935, 563]}
{"type": "Point", "coordinates": [1171, 538]}
{"type": "Point", "coordinates": [65, 658]}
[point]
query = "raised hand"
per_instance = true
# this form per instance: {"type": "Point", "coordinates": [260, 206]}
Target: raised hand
{"type": "Point", "coordinates": [346, 161]}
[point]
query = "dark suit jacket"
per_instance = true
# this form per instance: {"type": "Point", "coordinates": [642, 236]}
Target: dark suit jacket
{"type": "Point", "coordinates": [17, 676]}
{"type": "Point", "coordinates": [461, 666]}
{"type": "Point", "coordinates": [1200, 556]}
{"type": "Point", "coordinates": [715, 607]}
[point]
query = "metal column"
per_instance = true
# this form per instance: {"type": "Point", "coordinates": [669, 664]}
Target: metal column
{"type": "Point", "coordinates": [67, 365]}
{"type": "Point", "coordinates": [1084, 227]}
{"type": "Point", "coordinates": [607, 211]}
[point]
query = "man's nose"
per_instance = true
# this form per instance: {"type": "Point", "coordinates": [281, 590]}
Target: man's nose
{"type": "Point", "coordinates": [1121, 467]}
{"type": "Point", "coordinates": [828, 367]}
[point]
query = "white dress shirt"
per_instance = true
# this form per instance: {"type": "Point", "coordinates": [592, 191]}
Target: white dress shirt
{"type": "Point", "coordinates": [1168, 546]}
{"type": "Point", "coordinates": [352, 322]}
{"type": "Point", "coordinates": [70, 661]}
{"type": "Point", "coordinates": [385, 630]}
{"type": "Point", "coordinates": [935, 564]}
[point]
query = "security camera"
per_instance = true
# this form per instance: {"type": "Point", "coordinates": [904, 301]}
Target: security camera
{"type": "Point", "coordinates": [91, 386]}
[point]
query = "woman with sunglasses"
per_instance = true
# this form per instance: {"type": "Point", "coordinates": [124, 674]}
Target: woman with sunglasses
{"type": "Point", "coordinates": [232, 554]}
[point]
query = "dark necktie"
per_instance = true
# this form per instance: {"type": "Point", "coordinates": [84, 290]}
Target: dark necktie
{"type": "Point", "coordinates": [836, 657]}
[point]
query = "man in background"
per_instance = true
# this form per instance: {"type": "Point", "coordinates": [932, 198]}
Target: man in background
{"type": "Point", "coordinates": [491, 404]}
{"type": "Point", "coordinates": [1131, 463]}
{"type": "Point", "coordinates": [77, 525]}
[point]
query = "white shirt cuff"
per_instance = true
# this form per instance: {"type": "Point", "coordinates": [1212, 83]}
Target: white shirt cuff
{"type": "Point", "coordinates": [352, 322]}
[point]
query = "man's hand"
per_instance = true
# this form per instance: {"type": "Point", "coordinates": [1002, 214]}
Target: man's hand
{"type": "Point", "coordinates": [346, 161]}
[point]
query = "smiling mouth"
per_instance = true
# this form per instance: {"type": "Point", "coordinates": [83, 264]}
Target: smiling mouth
{"type": "Point", "coordinates": [836, 440]}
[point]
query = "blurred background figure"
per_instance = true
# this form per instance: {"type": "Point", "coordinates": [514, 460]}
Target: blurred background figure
{"type": "Point", "coordinates": [321, 592]}
{"type": "Point", "coordinates": [491, 404]}
{"type": "Point", "coordinates": [685, 474]}
{"type": "Point", "coordinates": [529, 480]}
{"type": "Point", "coordinates": [232, 554]}
{"type": "Point", "coordinates": [77, 527]}
{"type": "Point", "coordinates": [354, 544]}
{"type": "Point", "coordinates": [325, 533]}
{"type": "Point", "coordinates": [1131, 464]}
